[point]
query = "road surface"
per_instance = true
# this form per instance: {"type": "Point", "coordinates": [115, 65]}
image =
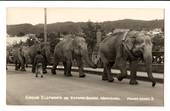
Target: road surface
{"type": "Point", "coordinates": [23, 88]}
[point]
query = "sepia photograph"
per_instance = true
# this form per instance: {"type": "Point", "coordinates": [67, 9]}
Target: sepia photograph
{"type": "Point", "coordinates": [62, 56]}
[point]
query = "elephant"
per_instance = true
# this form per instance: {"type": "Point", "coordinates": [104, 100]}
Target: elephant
{"type": "Point", "coordinates": [122, 47]}
{"type": "Point", "coordinates": [69, 49]}
{"type": "Point", "coordinates": [20, 57]}
{"type": "Point", "coordinates": [25, 54]}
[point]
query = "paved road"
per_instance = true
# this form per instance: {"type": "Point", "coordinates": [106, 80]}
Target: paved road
{"type": "Point", "coordinates": [24, 89]}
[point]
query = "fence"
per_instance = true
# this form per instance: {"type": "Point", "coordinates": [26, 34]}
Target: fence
{"type": "Point", "coordinates": [157, 63]}
{"type": "Point", "coordinates": [157, 66]}
{"type": "Point", "coordinates": [158, 57]}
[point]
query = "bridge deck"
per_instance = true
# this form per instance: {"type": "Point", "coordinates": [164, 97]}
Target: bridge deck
{"type": "Point", "coordinates": [24, 89]}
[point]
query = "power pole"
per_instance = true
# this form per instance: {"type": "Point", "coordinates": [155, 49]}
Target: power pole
{"type": "Point", "coordinates": [45, 25]}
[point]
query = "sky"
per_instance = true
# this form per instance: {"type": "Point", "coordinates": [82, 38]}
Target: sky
{"type": "Point", "coordinates": [36, 15]}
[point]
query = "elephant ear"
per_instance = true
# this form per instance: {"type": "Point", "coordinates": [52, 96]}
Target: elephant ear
{"type": "Point", "coordinates": [129, 43]}
{"type": "Point", "coordinates": [131, 37]}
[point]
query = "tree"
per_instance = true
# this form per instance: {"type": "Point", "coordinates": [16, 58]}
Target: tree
{"type": "Point", "coordinates": [53, 39]}
{"type": "Point", "coordinates": [40, 37]}
{"type": "Point", "coordinates": [90, 35]}
{"type": "Point", "coordinates": [158, 42]}
{"type": "Point", "coordinates": [20, 34]}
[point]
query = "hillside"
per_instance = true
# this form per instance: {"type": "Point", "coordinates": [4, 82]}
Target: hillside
{"type": "Point", "coordinates": [107, 26]}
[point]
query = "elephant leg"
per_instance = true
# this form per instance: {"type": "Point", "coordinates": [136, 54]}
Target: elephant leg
{"type": "Point", "coordinates": [16, 66]}
{"type": "Point", "coordinates": [19, 65]}
{"type": "Point", "coordinates": [23, 64]}
{"type": "Point", "coordinates": [26, 65]}
{"type": "Point", "coordinates": [123, 70]}
{"type": "Point", "coordinates": [36, 72]}
{"type": "Point", "coordinates": [44, 70]}
{"type": "Point", "coordinates": [133, 66]}
{"type": "Point", "coordinates": [68, 68]}
{"type": "Point", "coordinates": [32, 63]}
{"type": "Point", "coordinates": [26, 61]}
{"type": "Point", "coordinates": [23, 68]}
{"type": "Point", "coordinates": [150, 76]}
{"type": "Point", "coordinates": [147, 55]}
{"type": "Point", "coordinates": [104, 74]}
{"type": "Point", "coordinates": [44, 67]}
{"type": "Point", "coordinates": [152, 79]}
{"type": "Point", "coordinates": [108, 70]}
{"type": "Point", "coordinates": [33, 68]}
{"type": "Point", "coordinates": [53, 70]}
{"type": "Point", "coordinates": [55, 64]}
{"type": "Point", "coordinates": [65, 67]}
{"type": "Point", "coordinates": [80, 66]}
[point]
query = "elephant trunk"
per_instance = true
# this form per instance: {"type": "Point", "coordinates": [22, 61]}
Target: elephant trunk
{"type": "Point", "coordinates": [147, 55]}
{"type": "Point", "coordinates": [88, 61]}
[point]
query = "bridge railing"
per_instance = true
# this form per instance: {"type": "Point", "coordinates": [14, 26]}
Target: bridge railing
{"type": "Point", "coordinates": [157, 63]}
{"type": "Point", "coordinates": [158, 57]}
{"type": "Point", "coordinates": [157, 66]}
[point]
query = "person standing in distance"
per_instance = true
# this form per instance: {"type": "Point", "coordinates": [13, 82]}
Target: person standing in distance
{"type": "Point", "coordinates": [38, 62]}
